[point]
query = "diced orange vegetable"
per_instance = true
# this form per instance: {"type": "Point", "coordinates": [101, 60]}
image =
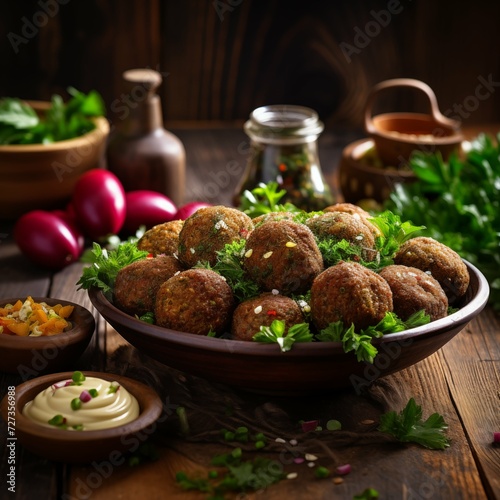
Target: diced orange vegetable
{"type": "Point", "coordinates": [21, 329]}
{"type": "Point", "coordinates": [37, 322]}
{"type": "Point", "coordinates": [65, 311]}
{"type": "Point", "coordinates": [17, 306]}
{"type": "Point", "coordinates": [40, 315]}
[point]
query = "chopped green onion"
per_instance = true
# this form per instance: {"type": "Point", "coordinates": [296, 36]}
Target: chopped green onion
{"type": "Point", "coordinates": [333, 425]}
{"type": "Point", "coordinates": [113, 387]}
{"type": "Point", "coordinates": [322, 472]}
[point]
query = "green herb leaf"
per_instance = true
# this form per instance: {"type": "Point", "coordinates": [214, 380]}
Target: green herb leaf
{"type": "Point", "coordinates": [230, 265]}
{"type": "Point", "coordinates": [275, 333]}
{"type": "Point", "coordinates": [394, 234]}
{"type": "Point", "coordinates": [17, 114]}
{"type": "Point", "coordinates": [105, 265]}
{"type": "Point", "coordinates": [367, 494]}
{"type": "Point", "coordinates": [459, 203]}
{"type": "Point", "coordinates": [408, 426]}
{"type": "Point", "coordinates": [264, 199]}
{"type": "Point", "coordinates": [20, 124]}
{"type": "Point", "coordinates": [361, 342]}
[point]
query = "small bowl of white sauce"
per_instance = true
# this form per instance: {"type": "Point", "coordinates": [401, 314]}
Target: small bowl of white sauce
{"type": "Point", "coordinates": [80, 417]}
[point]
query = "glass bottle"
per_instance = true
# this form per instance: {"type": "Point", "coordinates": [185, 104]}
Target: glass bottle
{"type": "Point", "coordinates": [284, 149]}
{"type": "Point", "coordinates": [140, 152]}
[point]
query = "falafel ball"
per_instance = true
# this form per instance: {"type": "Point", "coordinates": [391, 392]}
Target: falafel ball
{"type": "Point", "coordinates": [195, 301]}
{"type": "Point", "coordinates": [343, 226]}
{"type": "Point", "coordinates": [259, 311]}
{"type": "Point", "coordinates": [357, 212]}
{"type": "Point", "coordinates": [443, 263]}
{"type": "Point", "coordinates": [351, 293]}
{"type": "Point", "coordinates": [162, 238]}
{"type": "Point", "coordinates": [282, 255]}
{"type": "Point", "coordinates": [208, 230]}
{"type": "Point", "coordinates": [414, 290]}
{"type": "Point", "coordinates": [348, 208]}
{"type": "Point", "coordinates": [272, 216]}
{"type": "Point", "coordinates": [136, 285]}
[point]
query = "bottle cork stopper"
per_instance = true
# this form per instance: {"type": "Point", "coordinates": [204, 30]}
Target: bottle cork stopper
{"type": "Point", "coordinates": [148, 78]}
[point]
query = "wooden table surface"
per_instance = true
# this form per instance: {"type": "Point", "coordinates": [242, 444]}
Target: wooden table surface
{"type": "Point", "coordinates": [461, 382]}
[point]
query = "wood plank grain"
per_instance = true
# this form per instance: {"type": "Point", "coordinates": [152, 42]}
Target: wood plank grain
{"type": "Point", "coordinates": [472, 361]}
{"type": "Point", "coordinates": [421, 473]}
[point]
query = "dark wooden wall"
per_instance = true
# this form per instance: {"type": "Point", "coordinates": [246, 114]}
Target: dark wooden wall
{"type": "Point", "coordinates": [222, 58]}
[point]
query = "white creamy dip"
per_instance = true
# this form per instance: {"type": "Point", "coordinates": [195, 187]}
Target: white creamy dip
{"type": "Point", "coordinates": [110, 406]}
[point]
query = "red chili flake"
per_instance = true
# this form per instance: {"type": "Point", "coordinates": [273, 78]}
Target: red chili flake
{"type": "Point", "coordinates": [282, 167]}
{"type": "Point", "coordinates": [271, 312]}
{"type": "Point", "coordinates": [243, 231]}
{"type": "Point", "coordinates": [149, 256]}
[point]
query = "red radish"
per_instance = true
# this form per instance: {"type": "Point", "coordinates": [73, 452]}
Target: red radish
{"type": "Point", "coordinates": [147, 208]}
{"type": "Point", "coordinates": [189, 209]}
{"type": "Point", "coordinates": [46, 239]}
{"type": "Point", "coordinates": [99, 203]}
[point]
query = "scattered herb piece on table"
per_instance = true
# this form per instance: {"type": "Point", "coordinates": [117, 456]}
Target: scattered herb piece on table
{"type": "Point", "coordinates": [238, 475]}
{"type": "Point", "coordinates": [408, 426]}
{"type": "Point", "coordinates": [367, 494]}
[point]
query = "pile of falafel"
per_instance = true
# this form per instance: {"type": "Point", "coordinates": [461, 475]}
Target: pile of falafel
{"type": "Point", "coordinates": [282, 257]}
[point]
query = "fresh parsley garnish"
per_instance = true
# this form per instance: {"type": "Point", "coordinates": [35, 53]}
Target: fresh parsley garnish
{"type": "Point", "coordinates": [148, 317]}
{"type": "Point", "coordinates": [459, 203]}
{"type": "Point", "coordinates": [275, 333]}
{"type": "Point", "coordinates": [408, 426]}
{"type": "Point", "coordinates": [361, 342]}
{"type": "Point", "coordinates": [20, 124]}
{"type": "Point", "coordinates": [394, 234]}
{"type": "Point", "coordinates": [333, 251]}
{"type": "Point", "coordinates": [393, 231]}
{"type": "Point", "coordinates": [106, 264]}
{"type": "Point", "coordinates": [264, 199]}
{"type": "Point", "coordinates": [230, 265]}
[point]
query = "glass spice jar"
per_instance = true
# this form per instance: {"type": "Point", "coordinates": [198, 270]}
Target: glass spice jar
{"type": "Point", "coordinates": [284, 149]}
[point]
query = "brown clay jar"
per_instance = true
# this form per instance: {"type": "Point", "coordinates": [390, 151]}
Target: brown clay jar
{"type": "Point", "coordinates": [140, 152]}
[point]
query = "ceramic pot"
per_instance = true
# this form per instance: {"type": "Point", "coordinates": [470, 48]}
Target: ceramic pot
{"type": "Point", "coordinates": [396, 135]}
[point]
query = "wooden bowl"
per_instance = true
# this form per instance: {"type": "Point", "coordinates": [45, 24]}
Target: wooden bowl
{"type": "Point", "coordinates": [82, 446]}
{"type": "Point", "coordinates": [360, 179]}
{"type": "Point", "coordinates": [307, 367]}
{"type": "Point", "coordinates": [44, 175]}
{"type": "Point", "coordinates": [32, 356]}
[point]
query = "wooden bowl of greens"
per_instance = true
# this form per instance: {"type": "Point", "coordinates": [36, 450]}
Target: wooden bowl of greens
{"type": "Point", "coordinates": [45, 147]}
